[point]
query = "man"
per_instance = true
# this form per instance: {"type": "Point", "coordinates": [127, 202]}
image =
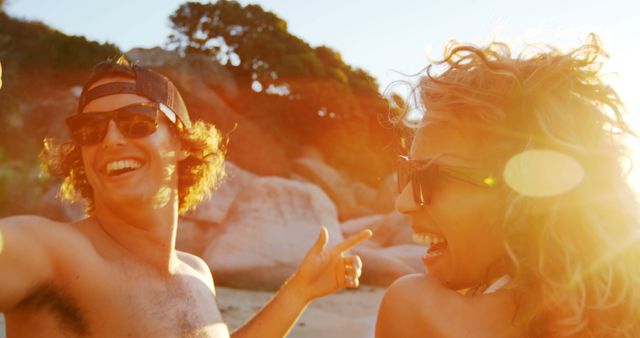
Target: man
{"type": "Point", "coordinates": [138, 161]}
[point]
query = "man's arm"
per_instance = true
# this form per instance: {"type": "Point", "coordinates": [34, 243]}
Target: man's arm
{"type": "Point", "coordinates": [322, 272]}
{"type": "Point", "coordinates": [24, 261]}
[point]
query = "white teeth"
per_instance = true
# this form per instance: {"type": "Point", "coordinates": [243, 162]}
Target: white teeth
{"type": "Point", "coordinates": [429, 239]}
{"type": "Point", "coordinates": [122, 164]}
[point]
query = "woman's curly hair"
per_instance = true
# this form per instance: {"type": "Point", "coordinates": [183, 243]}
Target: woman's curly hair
{"type": "Point", "coordinates": [198, 174]}
{"type": "Point", "coordinates": [574, 257]}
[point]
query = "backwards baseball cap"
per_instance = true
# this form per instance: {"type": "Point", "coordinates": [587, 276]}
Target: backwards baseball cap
{"type": "Point", "coordinates": [148, 83]}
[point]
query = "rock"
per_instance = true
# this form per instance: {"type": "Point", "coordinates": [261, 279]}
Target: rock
{"type": "Point", "coordinates": [215, 209]}
{"type": "Point", "coordinates": [199, 70]}
{"type": "Point", "coordinates": [365, 195]}
{"type": "Point", "coordinates": [267, 231]}
{"type": "Point", "coordinates": [386, 194]}
{"type": "Point", "coordinates": [153, 57]}
{"type": "Point", "coordinates": [389, 253]}
{"type": "Point", "coordinates": [388, 230]}
{"type": "Point", "coordinates": [55, 208]}
{"type": "Point", "coordinates": [353, 226]}
{"type": "Point", "coordinates": [193, 237]}
{"type": "Point", "coordinates": [382, 266]}
{"type": "Point", "coordinates": [341, 191]}
{"type": "Point", "coordinates": [311, 152]}
{"type": "Point", "coordinates": [203, 83]}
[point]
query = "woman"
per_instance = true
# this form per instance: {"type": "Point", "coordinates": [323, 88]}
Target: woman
{"type": "Point", "coordinates": [515, 178]}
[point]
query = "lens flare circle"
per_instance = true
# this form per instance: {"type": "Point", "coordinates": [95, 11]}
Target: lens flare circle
{"type": "Point", "coordinates": [543, 173]}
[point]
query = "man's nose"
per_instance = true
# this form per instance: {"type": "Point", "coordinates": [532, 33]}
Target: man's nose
{"type": "Point", "coordinates": [113, 136]}
{"type": "Point", "coordinates": [404, 202]}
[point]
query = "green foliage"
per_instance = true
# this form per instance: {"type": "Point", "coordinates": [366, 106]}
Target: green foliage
{"type": "Point", "coordinates": [308, 95]}
{"type": "Point", "coordinates": [19, 185]}
{"type": "Point", "coordinates": [33, 44]}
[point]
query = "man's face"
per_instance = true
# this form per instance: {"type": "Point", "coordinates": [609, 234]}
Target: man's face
{"type": "Point", "coordinates": [125, 172]}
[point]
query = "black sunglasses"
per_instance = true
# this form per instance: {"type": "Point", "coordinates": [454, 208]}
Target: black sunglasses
{"type": "Point", "coordinates": [133, 121]}
{"type": "Point", "coordinates": [423, 174]}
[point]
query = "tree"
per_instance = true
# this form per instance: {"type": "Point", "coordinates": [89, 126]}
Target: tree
{"type": "Point", "coordinates": [302, 95]}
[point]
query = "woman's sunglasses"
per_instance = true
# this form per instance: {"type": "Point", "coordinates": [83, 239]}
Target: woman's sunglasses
{"type": "Point", "coordinates": [423, 174]}
{"type": "Point", "coordinates": [133, 121]}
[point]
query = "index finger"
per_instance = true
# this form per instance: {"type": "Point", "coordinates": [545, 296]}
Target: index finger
{"type": "Point", "coordinates": [353, 240]}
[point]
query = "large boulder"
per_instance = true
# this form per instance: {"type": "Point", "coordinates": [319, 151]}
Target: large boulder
{"type": "Point", "coordinates": [386, 194]}
{"type": "Point", "coordinates": [382, 266]}
{"type": "Point", "coordinates": [390, 253]}
{"type": "Point", "coordinates": [215, 209]}
{"type": "Point", "coordinates": [199, 227]}
{"type": "Point", "coordinates": [350, 199]}
{"type": "Point", "coordinates": [52, 206]}
{"type": "Point", "coordinates": [193, 237]}
{"type": "Point", "coordinates": [198, 70]}
{"type": "Point", "coordinates": [391, 229]}
{"type": "Point", "coordinates": [267, 231]}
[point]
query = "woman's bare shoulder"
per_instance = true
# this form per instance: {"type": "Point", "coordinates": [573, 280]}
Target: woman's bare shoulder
{"type": "Point", "coordinates": [419, 305]}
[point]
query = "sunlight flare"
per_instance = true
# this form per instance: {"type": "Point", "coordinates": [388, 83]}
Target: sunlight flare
{"type": "Point", "coordinates": [543, 173]}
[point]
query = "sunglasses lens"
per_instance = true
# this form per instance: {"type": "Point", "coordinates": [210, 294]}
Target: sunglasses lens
{"type": "Point", "coordinates": [420, 176]}
{"type": "Point", "coordinates": [133, 121]}
{"type": "Point", "coordinates": [87, 129]}
{"type": "Point", "coordinates": [137, 121]}
{"type": "Point", "coordinates": [423, 180]}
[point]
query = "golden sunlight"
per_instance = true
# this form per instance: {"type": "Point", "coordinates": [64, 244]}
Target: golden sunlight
{"type": "Point", "coordinates": [162, 197]}
{"type": "Point", "coordinates": [1, 242]}
{"type": "Point", "coordinates": [622, 74]}
{"type": "Point", "coordinates": [542, 173]}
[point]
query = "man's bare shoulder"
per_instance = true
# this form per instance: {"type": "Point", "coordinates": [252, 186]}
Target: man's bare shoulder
{"type": "Point", "coordinates": [37, 225]}
{"type": "Point", "coordinates": [198, 265]}
{"type": "Point", "coordinates": [419, 305]}
{"type": "Point", "coordinates": [48, 233]}
{"type": "Point", "coordinates": [28, 220]}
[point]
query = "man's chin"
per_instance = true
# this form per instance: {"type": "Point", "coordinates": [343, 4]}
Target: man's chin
{"type": "Point", "coordinates": [126, 199]}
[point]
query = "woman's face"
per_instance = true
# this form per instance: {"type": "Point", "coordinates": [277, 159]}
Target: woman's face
{"type": "Point", "coordinates": [462, 221]}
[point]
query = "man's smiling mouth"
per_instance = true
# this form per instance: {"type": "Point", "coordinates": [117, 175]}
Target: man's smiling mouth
{"type": "Point", "coordinates": [120, 167]}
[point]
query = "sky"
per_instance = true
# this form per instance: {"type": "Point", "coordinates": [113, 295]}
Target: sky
{"type": "Point", "coordinates": [389, 39]}
{"type": "Point", "coordinates": [386, 38]}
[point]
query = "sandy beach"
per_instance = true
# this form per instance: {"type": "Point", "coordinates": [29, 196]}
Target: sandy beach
{"type": "Point", "coordinates": [348, 314]}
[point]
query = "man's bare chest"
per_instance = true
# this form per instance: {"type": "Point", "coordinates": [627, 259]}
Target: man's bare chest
{"type": "Point", "coordinates": [113, 303]}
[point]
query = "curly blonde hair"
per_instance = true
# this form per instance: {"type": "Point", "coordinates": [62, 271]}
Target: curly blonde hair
{"type": "Point", "coordinates": [198, 174]}
{"type": "Point", "coordinates": [574, 257]}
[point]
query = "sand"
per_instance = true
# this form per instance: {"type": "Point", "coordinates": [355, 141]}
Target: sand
{"type": "Point", "coordinates": [348, 314]}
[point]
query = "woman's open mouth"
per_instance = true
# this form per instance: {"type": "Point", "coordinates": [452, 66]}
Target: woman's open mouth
{"type": "Point", "coordinates": [437, 245]}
